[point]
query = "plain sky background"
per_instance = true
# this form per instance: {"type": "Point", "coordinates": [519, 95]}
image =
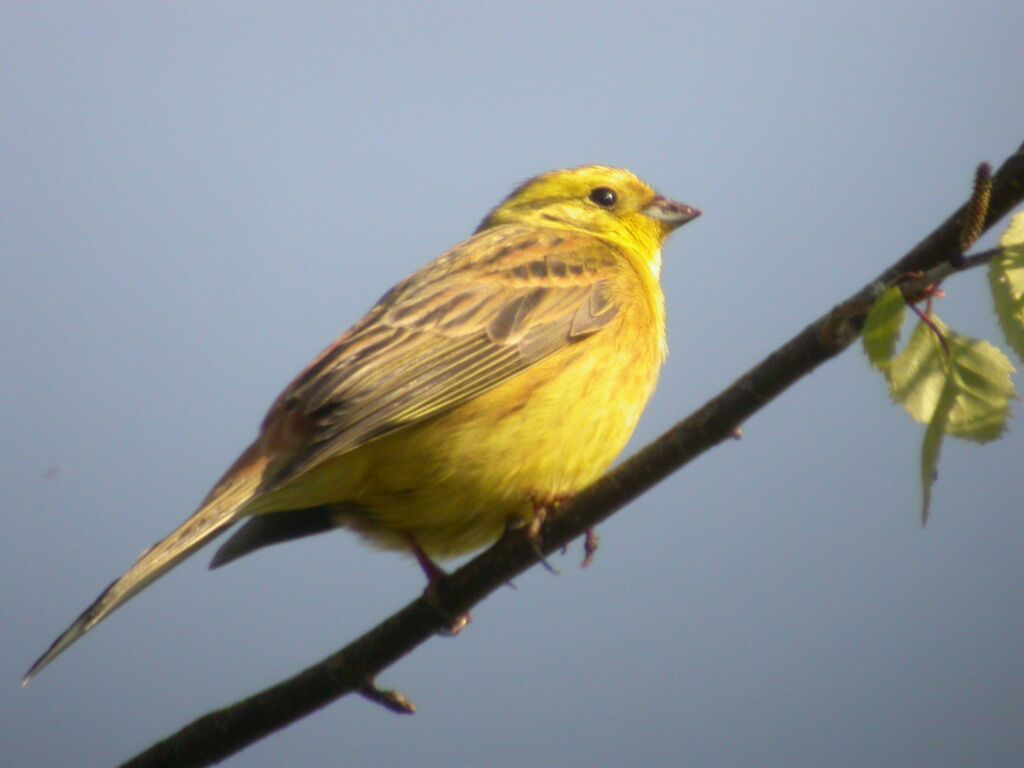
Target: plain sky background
{"type": "Point", "coordinates": [196, 198]}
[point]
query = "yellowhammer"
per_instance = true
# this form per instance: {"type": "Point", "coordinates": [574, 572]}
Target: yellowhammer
{"type": "Point", "coordinates": [507, 373]}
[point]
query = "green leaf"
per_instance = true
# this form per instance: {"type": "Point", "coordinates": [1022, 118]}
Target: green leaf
{"type": "Point", "coordinates": [932, 446]}
{"type": "Point", "coordinates": [1006, 278]}
{"type": "Point", "coordinates": [918, 374]}
{"type": "Point", "coordinates": [882, 327]}
{"type": "Point", "coordinates": [985, 388]}
{"type": "Point", "coordinates": [977, 373]}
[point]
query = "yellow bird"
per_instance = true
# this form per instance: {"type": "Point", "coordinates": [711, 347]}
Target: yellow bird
{"type": "Point", "coordinates": [504, 375]}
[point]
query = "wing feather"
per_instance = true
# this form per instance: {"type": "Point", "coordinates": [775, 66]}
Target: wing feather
{"type": "Point", "coordinates": [480, 314]}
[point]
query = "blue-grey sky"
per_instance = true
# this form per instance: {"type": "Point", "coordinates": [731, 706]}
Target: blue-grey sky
{"type": "Point", "coordinates": [196, 198]}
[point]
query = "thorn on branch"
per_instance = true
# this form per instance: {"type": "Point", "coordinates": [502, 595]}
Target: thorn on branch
{"type": "Point", "coordinates": [590, 545]}
{"type": "Point", "coordinates": [391, 700]}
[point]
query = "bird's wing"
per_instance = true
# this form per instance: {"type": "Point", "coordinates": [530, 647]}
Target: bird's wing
{"type": "Point", "coordinates": [480, 314]}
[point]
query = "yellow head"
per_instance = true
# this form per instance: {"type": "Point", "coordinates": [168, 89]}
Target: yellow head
{"type": "Point", "coordinates": [609, 203]}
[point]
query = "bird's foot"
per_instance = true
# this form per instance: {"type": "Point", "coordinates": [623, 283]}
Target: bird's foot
{"type": "Point", "coordinates": [435, 574]}
{"type": "Point", "coordinates": [542, 507]}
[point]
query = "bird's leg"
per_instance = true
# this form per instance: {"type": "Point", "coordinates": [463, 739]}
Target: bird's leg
{"type": "Point", "coordinates": [434, 574]}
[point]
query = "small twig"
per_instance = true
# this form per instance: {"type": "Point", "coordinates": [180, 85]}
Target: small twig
{"type": "Point", "coordinates": [980, 258]}
{"type": "Point", "coordinates": [391, 700]}
{"type": "Point", "coordinates": [922, 286]}
{"type": "Point", "coordinates": [591, 541]}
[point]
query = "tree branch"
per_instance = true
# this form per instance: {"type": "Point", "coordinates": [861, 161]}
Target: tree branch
{"type": "Point", "coordinates": [221, 733]}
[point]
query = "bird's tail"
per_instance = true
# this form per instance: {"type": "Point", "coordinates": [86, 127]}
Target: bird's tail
{"type": "Point", "coordinates": [220, 509]}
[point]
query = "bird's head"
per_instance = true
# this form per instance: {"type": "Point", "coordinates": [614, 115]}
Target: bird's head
{"type": "Point", "coordinates": [609, 203]}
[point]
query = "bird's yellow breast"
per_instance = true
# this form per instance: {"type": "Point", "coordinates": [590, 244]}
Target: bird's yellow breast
{"type": "Point", "coordinates": [454, 481]}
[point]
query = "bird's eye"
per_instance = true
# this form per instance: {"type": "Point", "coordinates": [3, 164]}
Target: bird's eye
{"type": "Point", "coordinates": [603, 196]}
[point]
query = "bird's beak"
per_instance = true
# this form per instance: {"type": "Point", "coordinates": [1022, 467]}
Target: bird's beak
{"type": "Point", "coordinates": [670, 213]}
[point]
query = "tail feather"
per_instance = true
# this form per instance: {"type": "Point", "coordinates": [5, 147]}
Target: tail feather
{"type": "Point", "coordinates": [273, 528]}
{"type": "Point", "coordinates": [221, 509]}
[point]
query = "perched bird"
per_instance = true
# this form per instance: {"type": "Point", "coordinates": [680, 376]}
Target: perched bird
{"type": "Point", "coordinates": [504, 375]}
